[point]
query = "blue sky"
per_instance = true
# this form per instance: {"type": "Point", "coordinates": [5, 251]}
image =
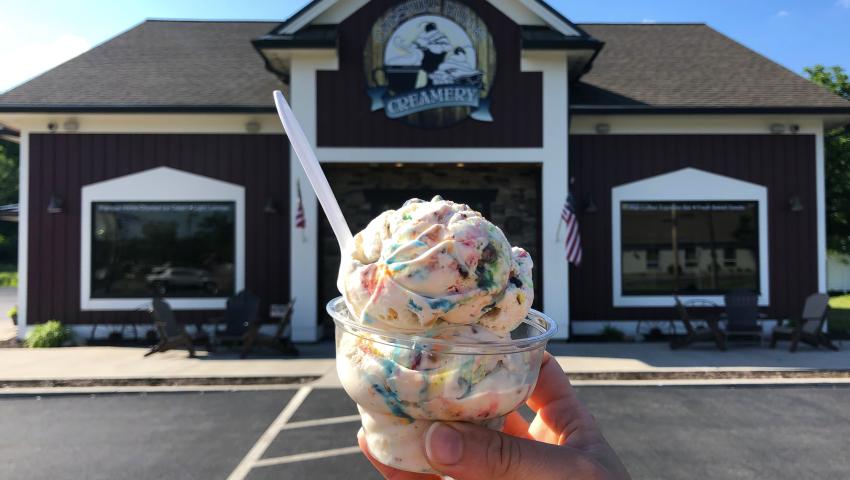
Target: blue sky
{"type": "Point", "coordinates": [38, 35]}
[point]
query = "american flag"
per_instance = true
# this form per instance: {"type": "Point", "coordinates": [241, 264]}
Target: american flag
{"type": "Point", "coordinates": [572, 243]}
{"type": "Point", "coordinates": [300, 220]}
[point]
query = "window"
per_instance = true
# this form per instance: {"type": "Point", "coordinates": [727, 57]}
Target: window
{"type": "Point", "coordinates": [652, 259]}
{"type": "Point", "coordinates": [164, 232]}
{"type": "Point", "coordinates": [691, 257]}
{"type": "Point", "coordinates": [688, 233]}
{"type": "Point", "coordinates": [730, 256]}
{"type": "Point", "coordinates": [697, 247]}
{"type": "Point", "coordinates": [174, 249]}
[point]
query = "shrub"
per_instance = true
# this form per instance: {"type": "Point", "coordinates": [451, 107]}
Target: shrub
{"type": "Point", "coordinates": [47, 335]}
{"type": "Point", "coordinates": [12, 313]}
{"type": "Point", "coordinates": [613, 334]}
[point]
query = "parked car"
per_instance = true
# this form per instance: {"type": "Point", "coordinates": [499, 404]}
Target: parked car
{"type": "Point", "coordinates": [177, 278]}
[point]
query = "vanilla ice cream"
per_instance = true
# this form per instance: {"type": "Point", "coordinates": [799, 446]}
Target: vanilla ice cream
{"type": "Point", "coordinates": [436, 262]}
{"type": "Point", "coordinates": [432, 293]}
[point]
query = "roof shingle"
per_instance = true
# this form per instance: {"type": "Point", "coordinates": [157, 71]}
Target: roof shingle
{"type": "Point", "coordinates": [689, 65]}
{"type": "Point", "coordinates": [209, 65]}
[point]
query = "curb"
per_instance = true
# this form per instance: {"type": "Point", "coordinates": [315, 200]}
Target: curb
{"type": "Point", "coordinates": [157, 382]}
{"type": "Point", "coordinates": [653, 377]}
{"type": "Point", "coordinates": [711, 375]}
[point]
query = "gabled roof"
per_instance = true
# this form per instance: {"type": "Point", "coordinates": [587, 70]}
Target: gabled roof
{"type": "Point", "coordinates": [9, 213]}
{"type": "Point", "coordinates": [9, 134]}
{"type": "Point", "coordinates": [184, 66]}
{"type": "Point", "coordinates": [315, 8]}
{"type": "Point", "coordinates": [299, 31]}
{"type": "Point", "coordinates": [205, 66]}
{"type": "Point", "coordinates": [690, 67]}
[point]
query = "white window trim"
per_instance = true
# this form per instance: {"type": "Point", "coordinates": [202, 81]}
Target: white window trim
{"type": "Point", "coordinates": [162, 184]}
{"type": "Point", "coordinates": [688, 184]}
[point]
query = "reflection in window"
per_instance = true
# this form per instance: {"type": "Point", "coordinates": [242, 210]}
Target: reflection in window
{"type": "Point", "coordinates": [652, 259]}
{"type": "Point", "coordinates": [689, 247]}
{"type": "Point", "coordinates": [174, 249]}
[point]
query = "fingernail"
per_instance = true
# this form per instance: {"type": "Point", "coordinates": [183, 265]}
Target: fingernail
{"type": "Point", "coordinates": [443, 444]}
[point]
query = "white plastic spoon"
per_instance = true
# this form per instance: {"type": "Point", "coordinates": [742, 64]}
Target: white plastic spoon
{"type": "Point", "coordinates": [314, 172]}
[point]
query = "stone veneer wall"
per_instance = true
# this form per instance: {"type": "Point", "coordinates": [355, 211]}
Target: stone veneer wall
{"type": "Point", "coordinates": [508, 194]}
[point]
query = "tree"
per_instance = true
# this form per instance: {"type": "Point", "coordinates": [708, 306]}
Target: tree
{"type": "Point", "coordinates": [8, 172]}
{"type": "Point", "coordinates": [8, 194]}
{"type": "Point", "coordinates": [837, 166]}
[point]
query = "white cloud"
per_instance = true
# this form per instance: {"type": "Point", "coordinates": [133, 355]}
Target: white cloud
{"type": "Point", "coordinates": [784, 13]}
{"type": "Point", "coordinates": [23, 62]}
{"type": "Point", "coordinates": [650, 20]}
{"type": "Point", "coordinates": [843, 3]}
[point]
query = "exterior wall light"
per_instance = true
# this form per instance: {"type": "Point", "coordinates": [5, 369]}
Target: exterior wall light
{"type": "Point", "coordinates": [271, 207]}
{"type": "Point", "coordinates": [794, 204]}
{"type": "Point", "coordinates": [56, 204]}
{"type": "Point", "coordinates": [590, 205]}
{"type": "Point", "coordinates": [603, 128]}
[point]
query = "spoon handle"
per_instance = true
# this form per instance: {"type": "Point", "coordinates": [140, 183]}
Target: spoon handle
{"type": "Point", "coordinates": [314, 171]}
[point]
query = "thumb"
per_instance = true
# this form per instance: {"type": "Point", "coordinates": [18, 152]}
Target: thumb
{"type": "Point", "coordinates": [470, 452]}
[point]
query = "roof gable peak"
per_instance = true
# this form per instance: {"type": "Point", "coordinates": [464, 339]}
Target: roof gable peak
{"type": "Point", "coordinates": [523, 12]}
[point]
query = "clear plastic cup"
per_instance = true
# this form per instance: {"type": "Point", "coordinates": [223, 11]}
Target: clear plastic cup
{"type": "Point", "coordinates": [402, 383]}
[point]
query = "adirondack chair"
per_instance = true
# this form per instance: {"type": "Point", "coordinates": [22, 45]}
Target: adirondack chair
{"type": "Point", "coordinates": [171, 333]}
{"type": "Point", "coordinates": [742, 314]}
{"type": "Point", "coordinates": [711, 332]}
{"type": "Point", "coordinates": [809, 327]}
{"type": "Point", "coordinates": [242, 325]}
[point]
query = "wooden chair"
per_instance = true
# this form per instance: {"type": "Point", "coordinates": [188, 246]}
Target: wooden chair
{"type": "Point", "coordinates": [242, 325]}
{"type": "Point", "coordinates": [809, 327]}
{"type": "Point", "coordinates": [742, 314]}
{"type": "Point", "coordinates": [711, 332]}
{"type": "Point", "coordinates": [171, 333]}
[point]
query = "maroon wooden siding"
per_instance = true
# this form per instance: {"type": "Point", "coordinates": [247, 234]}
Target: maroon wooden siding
{"type": "Point", "coordinates": [343, 108]}
{"type": "Point", "coordinates": [785, 164]}
{"type": "Point", "coordinates": [62, 164]}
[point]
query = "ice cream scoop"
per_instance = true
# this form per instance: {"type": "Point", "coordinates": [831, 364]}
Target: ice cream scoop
{"type": "Point", "coordinates": [435, 262]}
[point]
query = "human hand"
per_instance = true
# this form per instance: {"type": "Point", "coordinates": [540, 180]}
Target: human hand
{"type": "Point", "coordinates": [563, 441]}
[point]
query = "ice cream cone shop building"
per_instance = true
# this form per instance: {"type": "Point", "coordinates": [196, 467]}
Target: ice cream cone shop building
{"type": "Point", "coordinates": [154, 164]}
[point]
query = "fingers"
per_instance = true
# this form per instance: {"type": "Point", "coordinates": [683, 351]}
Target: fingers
{"type": "Point", "coordinates": [552, 385]}
{"type": "Point", "coordinates": [388, 472]}
{"type": "Point", "coordinates": [471, 452]}
{"type": "Point", "coordinates": [516, 425]}
{"type": "Point", "coordinates": [561, 418]}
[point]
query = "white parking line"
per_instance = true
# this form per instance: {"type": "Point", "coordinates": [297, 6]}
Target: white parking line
{"type": "Point", "coordinates": [321, 421]}
{"type": "Point", "coordinates": [300, 457]}
{"type": "Point", "coordinates": [259, 448]}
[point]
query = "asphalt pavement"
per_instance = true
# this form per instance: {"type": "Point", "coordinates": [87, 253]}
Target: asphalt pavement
{"type": "Point", "coordinates": [660, 432]}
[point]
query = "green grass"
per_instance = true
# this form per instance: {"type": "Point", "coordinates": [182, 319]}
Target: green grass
{"type": "Point", "coordinates": [841, 302]}
{"type": "Point", "coordinates": [8, 279]}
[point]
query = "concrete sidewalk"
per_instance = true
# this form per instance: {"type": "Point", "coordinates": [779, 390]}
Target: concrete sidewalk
{"type": "Point", "coordinates": [625, 361]}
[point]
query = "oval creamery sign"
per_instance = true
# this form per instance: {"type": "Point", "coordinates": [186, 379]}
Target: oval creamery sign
{"type": "Point", "coordinates": [430, 63]}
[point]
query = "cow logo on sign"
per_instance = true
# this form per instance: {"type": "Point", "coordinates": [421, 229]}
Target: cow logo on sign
{"type": "Point", "coordinates": [430, 63]}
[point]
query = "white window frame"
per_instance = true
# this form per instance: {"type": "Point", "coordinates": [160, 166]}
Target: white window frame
{"type": "Point", "coordinates": [688, 184]}
{"type": "Point", "coordinates": [162, 184]}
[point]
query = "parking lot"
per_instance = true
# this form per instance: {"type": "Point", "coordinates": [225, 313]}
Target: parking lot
{"type": "Point", "coordinates": [661, 432]}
